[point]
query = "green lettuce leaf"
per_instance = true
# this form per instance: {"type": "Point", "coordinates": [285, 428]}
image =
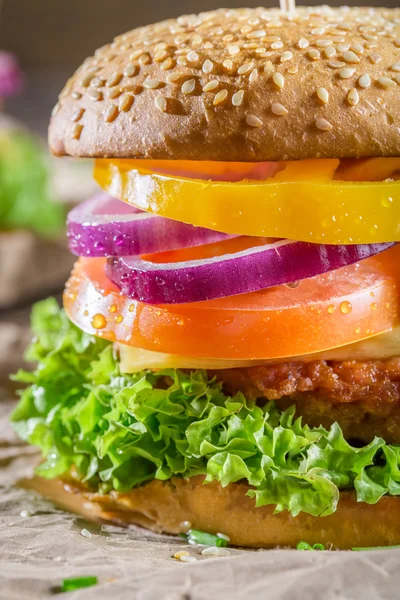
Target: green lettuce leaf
{"type": "Point", "coordinates": [25, 198]}
{"type": "Point", "coordinates": [119, 431]}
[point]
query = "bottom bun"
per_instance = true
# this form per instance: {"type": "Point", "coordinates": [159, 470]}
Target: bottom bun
{"type": "Point", "coordinates": [176, 505]}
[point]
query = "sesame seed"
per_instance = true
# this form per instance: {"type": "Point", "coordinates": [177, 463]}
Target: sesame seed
{"type": "Point", "coordinates": [188, 559]}
{"type": "Point", "coordinates": [286, 56]}
{"type": "Point", "coordinates": [144, 59]}
{"type": "Point", "coordinates": [114, 80]}
{"type": "Point", "coordinates": [323, 95]}
{"type": "Point", "coordinates": [228, 64]}
{"type": "Point", "coordinates": [336, 64]}
{"type": "Point", "coordinates": [181, 553]}
{"type": "Point", "coordinates": [174, 77]}
{"type": "Point", "coordinates": [131, 70]}
{"type": "Point", "coordinates": [111, 113]}
{"type": "Point", "coordinates": [375, 58]}
{"type": "Point", "coordinates": [323, 43]}
{"type": "Point", "coordinates": [397, 78]}
{"type": "Point", "coordinates": [167, 64]}
{"type": "Point", "coordinates": [77, 114]}
{"type": "Point", "coordinates": [293, 69]}
{"type": "Point", "coordinates": [303, 43]}
{"type": "Point", "coordinates": [253, 76]}
{"type": "Point", "coordinates": [233, 50]}
{"type": "Point", "coordinates": [386, 82]}
{"type": "Point", "coordinates": [245, 68]}
{"type": "Point", "coordinates": [211, 85]}
{"type": "Point", "coordinates": [314, 54]}
{"type": "Point", "coordinates": [181, 61]}
{"type": "Point", "coordinates": [278, 109]}
{"type": "Point", "coordinates": [207, 66]}
{"type": "Point", "coordinates": [323, 124]}
{"type": "Point", "coordinates": [97, 82]}
{"type": "Point", "coordinates": [76, 95]}
{"type": "Point", "coordinates": [253, 121]}
{"type": "Point", "coordinates": [192, 56]}
{"type": "Point", "coordinates": [277, 45]}
{"type": "Point", "coordinates": [126, 102]}
{"type": "Point", "coordinates": [271, 38]}
{"type": "Point", "coordinates": [343, 47]}
{"type": "Point", "coordinates": [358, 48]}
{"type": "Point", "coordinates": [364, 81]}
{"type": "Point", "coordinates": [85, 81]}
{"type": "Point", "coordinates": [346, 73]}
{"type": "Point", "coordinates": [160, 56]}
{"type": "Point", "coordinates": [161, 103]}
{"type": "Point", "coordinates": [136, 54]}
{"type": "Point", "coordinates": [350, 57]}
{"type": "Point", "coordinates": [329, 52]}
{"type": "Point", "coordinates": [220, 97]}
{"type": "Point", "coordinates": [396, 67]}
{"type": "Point", "coordinates": [208, 45]}
{"type": "Point", "coordinates": [237, 99]}
{"type": "Point", "coordinates": [369, 37]}
{"type": "Point", "coordinates": [151, 84]}
{"type": "Point", "coordinates": [160, 46]}
{"type": "Point", "coordinates": [188, 86]}
{"type": "Point", "coordinates": [318, 31]}
{"type": "Point", "coordinates": [25, 513]}
{"type": "Point", "coordinates": [257, 34]}
{"type": "Point", "coordinates": [269, 67]}
{"type": "Point", "coordinates": [353, 97]}
{"type": "Point", "coordinates": [114, 93]}
{"type": "Point", "coordinates": [397, 43]}
{"type": "Point", "coordinates": [278, 80]}
{"type": "Point", "coordinates": [95, 95]}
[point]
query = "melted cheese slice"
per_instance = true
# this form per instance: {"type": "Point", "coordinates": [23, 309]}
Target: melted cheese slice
{"type": "Point", "coordinates": [379, 347]}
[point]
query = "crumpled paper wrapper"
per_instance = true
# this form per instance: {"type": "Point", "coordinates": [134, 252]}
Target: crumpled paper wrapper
{"type": "Point", "coordinates": [40, 550]}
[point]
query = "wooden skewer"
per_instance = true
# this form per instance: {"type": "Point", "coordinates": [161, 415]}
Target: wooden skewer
{"type": "Point", "coordinates": [287, 6]}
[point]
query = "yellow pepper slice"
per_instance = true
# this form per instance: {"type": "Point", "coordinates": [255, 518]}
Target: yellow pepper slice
{"type": "Point", "coordinates": [300, 202]}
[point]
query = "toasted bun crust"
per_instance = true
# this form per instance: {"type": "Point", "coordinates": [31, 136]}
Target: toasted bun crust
{"type": "Point", "coordinates": [169, 506]}
{"type": "Point", "coordinates": [240, 85]}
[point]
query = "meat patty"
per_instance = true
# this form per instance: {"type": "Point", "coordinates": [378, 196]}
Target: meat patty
{"type": "Point", "coordinates": [363, 397]}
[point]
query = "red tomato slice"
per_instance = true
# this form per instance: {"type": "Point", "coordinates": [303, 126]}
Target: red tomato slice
{"type": "Point", "coordinates": [323, 312]}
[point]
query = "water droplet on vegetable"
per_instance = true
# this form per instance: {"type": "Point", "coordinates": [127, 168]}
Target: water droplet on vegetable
{"type": "Point", "coordinates": [99, 321]}
{"type": "Point", "coordinates": [292, 284]}
{"type": "Point", "coordinates": [387, 202]}
{"type": "Point", "coordinates": [345, 307]}
{"type": "Point", "coordinates": [331, 309]}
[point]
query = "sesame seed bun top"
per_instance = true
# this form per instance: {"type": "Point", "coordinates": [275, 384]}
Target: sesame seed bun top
{"type": "Point", "coordinates": [240, 85]}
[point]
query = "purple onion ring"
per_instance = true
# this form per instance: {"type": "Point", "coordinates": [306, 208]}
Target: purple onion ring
{"type": "Point", "coordinates": [257, 268]}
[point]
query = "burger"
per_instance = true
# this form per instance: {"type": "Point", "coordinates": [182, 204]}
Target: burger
{"type": "Point", "coordinates": [228, 355]}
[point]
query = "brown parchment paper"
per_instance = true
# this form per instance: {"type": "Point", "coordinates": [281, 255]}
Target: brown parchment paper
{"type": "Point", "coordinates": [38, 551]}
